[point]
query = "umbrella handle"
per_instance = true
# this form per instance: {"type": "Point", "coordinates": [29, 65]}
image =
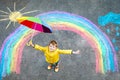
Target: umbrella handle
{"type": "Point", "coordinates": [29, 43]}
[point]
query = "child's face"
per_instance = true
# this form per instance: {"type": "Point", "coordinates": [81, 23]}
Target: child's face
{"type": "Point", "coordinates": [52, 47]}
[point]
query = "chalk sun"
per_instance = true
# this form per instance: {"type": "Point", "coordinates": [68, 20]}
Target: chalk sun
{"type": "Point", "coordinates": [12, 16]}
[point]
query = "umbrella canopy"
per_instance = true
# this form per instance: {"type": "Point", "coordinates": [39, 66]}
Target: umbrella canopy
{"type": "Point", "coordinates": [35, 23]}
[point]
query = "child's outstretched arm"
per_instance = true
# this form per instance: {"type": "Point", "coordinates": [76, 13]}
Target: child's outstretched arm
{"type": "Point", "coordinates": [68, 51]}
{"type": "Point", "coordinates": [37, 47]}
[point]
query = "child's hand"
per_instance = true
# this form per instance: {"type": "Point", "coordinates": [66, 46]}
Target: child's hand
{"type": "Point", "coordinates": [76, 52]}
{"type": "Point", "coordinates": [30, 43]}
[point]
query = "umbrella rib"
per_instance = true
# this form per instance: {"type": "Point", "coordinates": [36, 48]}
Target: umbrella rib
{"type": "Point", "coordinates": [4, 12]}
{"type": "Point", "coordinates": [30, 12]}
{"type": "Point", "coordinates": [8, 24]}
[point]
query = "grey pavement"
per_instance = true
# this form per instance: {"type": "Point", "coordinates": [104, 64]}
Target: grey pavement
{"type": "Point", "coordinates": [72, 67]}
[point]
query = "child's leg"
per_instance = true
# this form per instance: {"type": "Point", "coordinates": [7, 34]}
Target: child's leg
{"type": "Point", "coordinates": [56, 66]}
{"type": "Point", "coordinates": [50, 66]}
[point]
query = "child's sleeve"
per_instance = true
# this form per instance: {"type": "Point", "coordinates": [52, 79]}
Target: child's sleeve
{"type": "Point", "coordinates": [64, 51]}
{"type": "Point", "coordinates": [38, 47]}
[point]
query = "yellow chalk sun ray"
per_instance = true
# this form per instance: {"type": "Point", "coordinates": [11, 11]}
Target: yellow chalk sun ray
{"type": "Point", "coordinates": [4, 15]}
{"type": "Point", "coordinates": [4, 12]}
{"type": "Point", "coordinates": [4, 19]}
{"type": "Point", "coordinates": [30, 12]}
{"type": "Point", "coordinates": [8, 24]}
{"type": "Point", "coordinates": [12, 16]}
{"type": "Point", "coordinates": [9, 9]}
{"type": "Point", "coordinates": [14, 6]}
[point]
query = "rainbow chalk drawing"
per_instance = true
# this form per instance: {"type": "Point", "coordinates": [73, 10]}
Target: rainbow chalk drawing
{"type": "Point", "coordinates": [113, 18]}
{"type": "Point", "coordinates": [11, 51]}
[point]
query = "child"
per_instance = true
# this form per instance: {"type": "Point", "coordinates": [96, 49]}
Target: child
{"type": "Point", "coordinates": [52, 53]}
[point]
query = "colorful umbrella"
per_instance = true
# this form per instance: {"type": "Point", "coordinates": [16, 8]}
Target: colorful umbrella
{"type": "Point", "coordinates": [35, 23]}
